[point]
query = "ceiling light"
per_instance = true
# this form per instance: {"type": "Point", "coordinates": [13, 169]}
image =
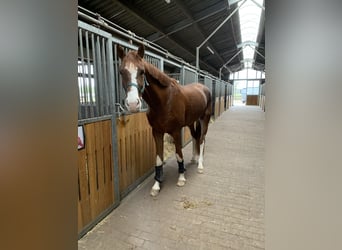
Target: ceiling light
{"type": "Point", "coordinates": [211, 51]}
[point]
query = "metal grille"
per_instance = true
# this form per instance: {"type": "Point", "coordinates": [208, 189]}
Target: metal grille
{"type": "Point", "coordinates": [217, 88]}
{"type": "Point", "coordinates": [223, 86]}
{"type": "Point", "coordinates": [208, 81]}
{"type": "Point", "coordinates": [189, 76]}
{"type": "Point", "coordinates": [94, 84]}
{"type": "Point", "coordinates": [153, 60]}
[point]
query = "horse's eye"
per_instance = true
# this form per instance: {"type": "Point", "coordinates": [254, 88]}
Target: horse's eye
{"type": "Point", "coordinates": [142, 72]}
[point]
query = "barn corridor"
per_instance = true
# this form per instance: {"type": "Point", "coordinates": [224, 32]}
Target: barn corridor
{"type": "Point", "coordinates": [223, 208]}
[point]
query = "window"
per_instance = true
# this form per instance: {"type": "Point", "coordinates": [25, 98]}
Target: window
{"type": "Point", "coordinates": [249, 15]}
{"type": "Point", "coordinates": [86, 83]}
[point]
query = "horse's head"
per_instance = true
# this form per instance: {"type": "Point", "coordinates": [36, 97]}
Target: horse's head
{"type": "Point", "coordinates": [132, 73]}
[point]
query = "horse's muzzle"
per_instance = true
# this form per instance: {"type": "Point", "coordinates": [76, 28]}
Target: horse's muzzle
{"type": "Point", "coordinates": [133, 106]}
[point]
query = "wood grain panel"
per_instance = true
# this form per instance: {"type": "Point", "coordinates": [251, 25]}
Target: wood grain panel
{"type": "Point", "coordinates": [252, 100]}
{"type": "Point", "coordinates": [136, 148]}
{"type": "Point", "coordinates": [95, 172]}
{"type": "Point", "coordinates": [221, 105]}
{"type": "Point", "coordinates": [217, 105]}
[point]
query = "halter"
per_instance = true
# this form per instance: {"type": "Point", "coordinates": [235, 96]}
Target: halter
{"type": "Point", "coordinates": [140, 90]}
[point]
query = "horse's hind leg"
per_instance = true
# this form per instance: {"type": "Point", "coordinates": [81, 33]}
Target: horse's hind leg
{"type": "Point", "coordinates": [195, 153]}
{"type": "Point", "coordinates": [158, 137]}
{"type": "Point", "coordinates": [195, 133]}
{"type": "Point", "coordinates": [179, 155]}
{"type": "Point", "coordinates": [204, 128]}
{"type": "Point", "coordinates": [201, 150]}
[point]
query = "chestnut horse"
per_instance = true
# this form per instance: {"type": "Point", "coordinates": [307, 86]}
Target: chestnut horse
{"type": "Point", "coordinates": [171, 107]}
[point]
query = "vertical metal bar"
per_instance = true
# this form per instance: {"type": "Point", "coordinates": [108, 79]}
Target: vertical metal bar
{"type": "Point", "coordinates": [83, 74]}
{"type": "Point", "coordinates": [234, 88]}
{"type": "Point", "coordinates": [99, 72]}
{"type": "Point", "coordinates": [111, 82]}
{"type": "Point", "coordinates": [114, 87]}
{"type": "Point", "coordinates": [197, 57]}
{"type": "Point", "coordinates": [162, 64]}
{"type": "Point", "coordinates": [213, 83]}
{"type": "Point", "coordinates": [120, 90]}
{"type": "Point", "coordinates": [115, 153]}
{"type": "Point", "coordinates": [116, 75]}
{"type": "Point", "coordinates": [225, 90]}
{"type": "Point", "coordinates": [78, 95]}
{"type": "Point", "coordinates": [96, 82]}
{"type": "Point", "coordinates": [220, 98]}
{"type": "Point", "coordinates": [105, 83]}
{"type": "Point", "coordinates": [89, 76]}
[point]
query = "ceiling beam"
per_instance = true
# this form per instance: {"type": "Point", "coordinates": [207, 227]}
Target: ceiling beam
{"type": "Point", "coordinates": [186, 23]}
{"type": "Point", "coordinates": [137, 13]}
{"type": "Point", "coordinates": [188, 14]}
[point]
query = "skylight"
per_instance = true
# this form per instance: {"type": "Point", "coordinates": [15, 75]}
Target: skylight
{"type": "Point", "coordinates": [249, 14]}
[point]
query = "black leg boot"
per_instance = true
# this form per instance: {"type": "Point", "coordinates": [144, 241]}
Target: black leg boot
{"type": "Point", "coordinates": [159, 174]}
{"type": "Point", "coordinates": [181, 168]}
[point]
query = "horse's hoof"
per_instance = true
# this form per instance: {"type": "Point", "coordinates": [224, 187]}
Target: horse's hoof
{"type": "Point", "coordinates": [154, 192]}
{"type": "Point", "coordinates": [181, 183]}
{"type": "Point", "coordinates": [200, 170]}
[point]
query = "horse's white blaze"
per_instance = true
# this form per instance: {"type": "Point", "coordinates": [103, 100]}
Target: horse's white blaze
{"type": "Point", "coordinates": [133, 99]}
{"type": "Point", "coordinates": [179, 159]}
{"type": "Point", "coordinates": [158, 161]}
{"type": "Point", "coordinates": [200, 160]}
{"type": "Point", "coordinates": [181, 180]}
{"type": "Point", "coordinates": [155, 189]}
{"type": "Point", "coordinates": [133, 70]}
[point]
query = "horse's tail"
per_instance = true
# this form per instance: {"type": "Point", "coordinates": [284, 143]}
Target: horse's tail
{"type": "Point", "coordinates": [207, 113]}
{"type": "Point", "coordinates": [208, 110]}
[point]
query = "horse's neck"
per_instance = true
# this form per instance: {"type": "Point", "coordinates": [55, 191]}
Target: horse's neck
{"type": "Point", "coordinates": [155, 73]}
{"type": "Point", "coordinates": [155, 95]}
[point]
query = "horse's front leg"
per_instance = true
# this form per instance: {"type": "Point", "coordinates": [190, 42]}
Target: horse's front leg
{"type": "Point", "coordinates": [179, 155]}
{"type": "Point", "coordinates": [158, 138]}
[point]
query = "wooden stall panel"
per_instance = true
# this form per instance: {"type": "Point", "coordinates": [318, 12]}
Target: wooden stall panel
{"type": "Point", "coordinates": [84, 215]}
{"type": "Point", "coordinates": [136, 149]}
{"type": "Point", "coordinates": [221, 105]}
{"type": "Point", "coordinates": [217, 108]}
{"type": "Point", "coordinates": [95, 172]}
{"type": "Point", "coordinates": [252, 100]}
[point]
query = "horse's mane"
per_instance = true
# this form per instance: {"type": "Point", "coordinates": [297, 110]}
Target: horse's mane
{"type": "Point", "coordinates": [160, 76]}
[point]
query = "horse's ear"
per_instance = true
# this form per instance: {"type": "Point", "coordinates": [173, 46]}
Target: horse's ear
{"type": "Point", "coordinates": [121, 52]}
{"type": "Point", "coordinates": [141, 50]}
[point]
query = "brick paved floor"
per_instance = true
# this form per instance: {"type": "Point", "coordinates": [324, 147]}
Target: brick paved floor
{"type": "Point", "coordinates": [220, 209]}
